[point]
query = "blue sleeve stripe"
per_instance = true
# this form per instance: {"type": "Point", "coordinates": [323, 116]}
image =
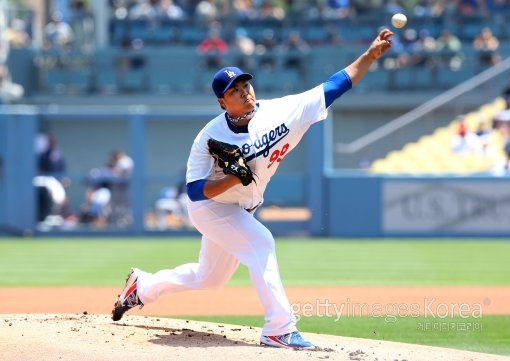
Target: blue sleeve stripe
{"type": "Point", "coordinates": [195, 190]}
{"type": "Point", "coordinates": [335, 86]}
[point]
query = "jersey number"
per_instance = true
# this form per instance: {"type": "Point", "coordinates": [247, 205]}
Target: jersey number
{"type": "Point", "coordinates": [278, 155]}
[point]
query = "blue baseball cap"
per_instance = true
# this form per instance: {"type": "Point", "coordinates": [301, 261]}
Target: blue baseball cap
{"type": "Point", "coordinates": [225, 77]}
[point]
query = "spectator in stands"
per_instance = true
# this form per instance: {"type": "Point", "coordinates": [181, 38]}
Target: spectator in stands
{"type": "Point", "coordinates": [51, 201]}
{"type": "Point", "coordinates": [411, 53]}
{"type": "Point", "coordinates": [316, 9]}
{"type": "Point", "coordinates": [172, 10]}
{"type": "Point", "coordinates": [449, 48]}
{"type": "Point", "coordinates": [427, 41]}
{"type": "Point", "coordinates": [213, 49]}
{"type": "Point", "coordinates": [502, 164]}
{"type": "Point", "coordinates": [122, 171]}
{"type": "Point", "coordinates": [464, 141]}
{"type": "Point", "coordinates": [267, 49]}
{"type": "Point", "coordinates": [16, 34]}
{"type": "Point", "coordinates": [471, 7]}
{"type": "Point", "coordinates": [271, 11]}
{"type": "Point", "coordinates": [338, 9]}
{"type": "Point", "coordinates": [484, 132]}
{"type": "Point", "coordinates": [446, 9]}
{"type": "Point", "coordinates": [206, 11]}
{"type": "Point", "coordinates": [507, 154]}
{"type": "Point", "coordinates": [106, 196]}
{"type": "Point", "coordinates": [333, 37]}
{"type": "Point", "coordinates": [506, 96]}
{"type": "Point", "coordinates": [244, 48]}
{"type": "Point", "coordinates": [501, 119]}
{"type": "Point", "coordinates": [9, 92]}
{"type": "Point", "coordinates": [83, 26]}
{"type": "Point", "coordinates": [487, 45]}
{"type": "Point", "coordinates": [119, 9]}
{"type": "Point", "coordinates": [96, 206]}
{"type": "Point", "coordinates": [131, 62]}
{"type": "Point", "coordinates": [427, 47]}
{"type": "Point", "coordinates": [243, 9]}
{"type": "Point", "coordinates": [57, 33]}
{"type": "Point", "coordinates": [50, 183]}
{"type": "Point", "coordinates": [295, 50]}
{"type": "Point", "coordinates": [423, 9]}
{"type": "Point", "coordinates": [51, 160]}
{"type": "Point", "coordinates": [122, 164]}
{"type": "Point", "coordinates": [501, 124]}
{"type": "Point", "coordinates": [146, 9]}
{"type": "Point", "coordinates": [173, 201]}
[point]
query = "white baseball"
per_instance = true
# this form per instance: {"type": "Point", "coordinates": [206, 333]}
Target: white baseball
{"type": "Point", "coordinates": [399, 20]}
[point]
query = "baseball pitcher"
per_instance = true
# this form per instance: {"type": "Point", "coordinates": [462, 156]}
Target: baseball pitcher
{"type": "Point", "coordinates": [231, 162]}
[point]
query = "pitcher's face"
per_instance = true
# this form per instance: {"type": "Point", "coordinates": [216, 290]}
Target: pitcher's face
{"type": "Point", "coordinates": [239, 99]}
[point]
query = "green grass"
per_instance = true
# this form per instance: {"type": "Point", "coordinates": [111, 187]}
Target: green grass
{"type": "Point", "coordinates": [105, 261]}
{"type": "Point", "coordinates": [489, 334]}
{"type": "Point", "coordinates": [96, 262]}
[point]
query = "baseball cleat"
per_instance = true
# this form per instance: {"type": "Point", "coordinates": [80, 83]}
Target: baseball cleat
{"type": "Point", "coordinates": [289, 340]}
{"type": "Point", "coordinates": [128, 298]}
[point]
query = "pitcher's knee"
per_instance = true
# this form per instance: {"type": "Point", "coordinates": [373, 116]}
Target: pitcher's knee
{"type": "Point", "coordinates": [266, 242]}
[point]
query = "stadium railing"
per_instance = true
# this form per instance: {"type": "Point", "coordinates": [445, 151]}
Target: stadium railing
{"type": "Point", "coordinates": [424, 119]}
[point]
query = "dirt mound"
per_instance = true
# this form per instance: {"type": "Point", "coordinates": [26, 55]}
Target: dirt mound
{"type": "Point", "coordinates": [32, 337]}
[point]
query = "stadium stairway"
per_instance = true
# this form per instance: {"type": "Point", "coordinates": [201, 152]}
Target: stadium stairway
{"type": "Point", "coordinates": [433, 154]}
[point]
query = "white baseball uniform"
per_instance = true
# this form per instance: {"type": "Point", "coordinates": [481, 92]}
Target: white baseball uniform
{"type": "Point", "coordinates": [230, 233]}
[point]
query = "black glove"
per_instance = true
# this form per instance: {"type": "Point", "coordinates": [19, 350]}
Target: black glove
{"type": "Point", "coordinates": [231, 160]}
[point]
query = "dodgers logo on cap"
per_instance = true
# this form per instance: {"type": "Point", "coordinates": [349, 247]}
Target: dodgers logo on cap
{"type": "Point", "coordinates": [225, 77]}
{"type": "Point", "coordinates": [230, 73]}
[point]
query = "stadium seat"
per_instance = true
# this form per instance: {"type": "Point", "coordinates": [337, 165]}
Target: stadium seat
{"type": "Point", "coordinates": [432, 154]}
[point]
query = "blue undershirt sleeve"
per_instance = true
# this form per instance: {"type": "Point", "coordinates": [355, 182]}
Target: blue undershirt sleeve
{"type": "Point", "coordinates": [335, 86]}
{"type": "Point", "coordinates": [195, 190]}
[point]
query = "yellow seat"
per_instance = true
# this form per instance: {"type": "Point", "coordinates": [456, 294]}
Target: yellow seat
{"type": "Point", "coordinates": [431, 154]}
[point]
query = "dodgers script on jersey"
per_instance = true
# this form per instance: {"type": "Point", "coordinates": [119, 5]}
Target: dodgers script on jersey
{"type": "Point", "coordinates": [277, 127]}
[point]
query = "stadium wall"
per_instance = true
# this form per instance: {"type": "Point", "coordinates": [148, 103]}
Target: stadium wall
{"type": "Point", "coordinates": [342, 203]}
{"type": "Point", "coordinates": [476, 206]}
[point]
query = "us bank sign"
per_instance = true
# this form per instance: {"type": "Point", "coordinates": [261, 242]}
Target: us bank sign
{"type": "Point", "coordinates": [450, 206]}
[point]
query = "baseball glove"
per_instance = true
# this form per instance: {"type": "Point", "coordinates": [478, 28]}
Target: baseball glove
{"type": "Point", "coordinates": [231, 160]}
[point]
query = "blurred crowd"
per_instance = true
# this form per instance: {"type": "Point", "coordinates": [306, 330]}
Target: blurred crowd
{"type": "Point", "coordinates": [416, 45]}
{"type": "Point", "coordinates": [255, 33]}
{"type": "Point", "coordinates": [76, 25]}
{"type": "Point", "coordinates": [106, 200]}
{"type": "Point", "coordinates": [304, 9]}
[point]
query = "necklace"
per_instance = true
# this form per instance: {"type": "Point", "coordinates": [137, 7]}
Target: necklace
{"type": "Point", "coordinates": [244, 116]}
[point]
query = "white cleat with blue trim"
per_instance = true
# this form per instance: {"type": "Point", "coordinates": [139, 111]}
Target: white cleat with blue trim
{"type": "Point", "coordinates": [289, 340]}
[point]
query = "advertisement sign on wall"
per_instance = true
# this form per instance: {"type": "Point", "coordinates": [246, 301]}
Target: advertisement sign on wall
{"type": "Point", "coordinates": [446, 206]}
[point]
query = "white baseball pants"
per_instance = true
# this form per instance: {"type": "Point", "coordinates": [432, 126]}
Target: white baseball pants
{"type": "Point", "coordinates": [230, 235]}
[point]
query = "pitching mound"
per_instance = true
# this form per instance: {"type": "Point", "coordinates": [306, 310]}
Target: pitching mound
{"type": "Point", "coordinates": [36, 337]}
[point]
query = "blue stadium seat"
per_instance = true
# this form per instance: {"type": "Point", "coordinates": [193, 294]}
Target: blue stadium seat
{"type": "Point", "coordinates": [65, 73]}
{"type": "Point", "coordinates": [119, 70]}
{"type": "Point", "coordinates": [173, 70]}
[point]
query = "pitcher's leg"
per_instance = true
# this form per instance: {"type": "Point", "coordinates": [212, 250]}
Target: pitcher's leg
{"type": "Point", "coordinates": [214, 268]}
{"type": "Point", "coordinates": [265, 276]}
{"type": "Point", "coordinates": [242, 235]}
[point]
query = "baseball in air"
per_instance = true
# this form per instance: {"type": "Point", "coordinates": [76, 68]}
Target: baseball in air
{"type": "Point", "coordinates": [399, 20]}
